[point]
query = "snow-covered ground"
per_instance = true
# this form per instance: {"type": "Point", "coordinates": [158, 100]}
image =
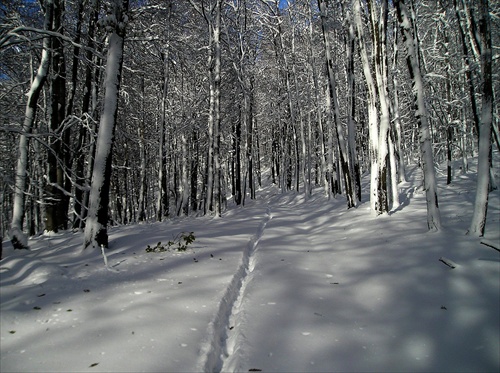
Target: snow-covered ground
{"type": "Point", "coordinates": [281, 285]}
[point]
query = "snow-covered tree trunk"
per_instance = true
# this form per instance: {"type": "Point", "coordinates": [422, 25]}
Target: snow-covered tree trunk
{"type": "Point", "coordinates": [292, 112]}
{"type": "Point", "coordinates": [398, 135]}
{"type": "Point", "coordinates": [212, 14]}
{"type": "Point", "coordinates": [407, 22]}
{"type": "Point", "coordinates": [319, 116]}
{"type": "Point", "coordinates": [483, 166]}
{"type": "Point", "coordinates": [467, 63]}
{"type": "Point", "coordinates": [216, 111]}
{"type": "Point", "coordinates": [379, 41]}
{"type": "Point", "coordinates": [16, 234]}
{"type": "Point", "coordinates": [251, 135]}
{"type": "Point", "coordinates": [96, 234]}
{"type": "Point", "coordinates": [182, 206]}
{"type": "Point", "coordinates": [300, 164]}
{"type": "Point", "coordinates": [372, 107]}
{"type": "Point", "coordinates": [348, 179]}
{"type": "Point", "coordinates": [351, 111]}
{"type": "Point", "coordinates": [141, 213]}
{"type": "Point", "coordinates": [88, 111]}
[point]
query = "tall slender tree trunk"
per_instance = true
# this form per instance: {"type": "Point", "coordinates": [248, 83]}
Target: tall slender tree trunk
{"type": "Point", "coordinates": [468, 71]}
{"type": "Point", "coordinates": [289, 128]}
{"type": "Point", "coordinates": [250, 141]}
{"type": "Point", "coordinates": [483, 166]}
{"type": "Point", "coordinates": [344, 168]}
{"type": "Point", "coordinates": [212, 187]}
{"type": "Point", "coordinates": [96, 233]}
{"type": "Point", "coordinates": [216, 111]}
{"type": "Point", "coordinates": [194, 170]}
{"type": "Point", "coordinates": [81, 194]}
{"type": "Point", "coordinates": [319, 116]}
{"type": "Point", "coordinates": [238, 196]}
{"type": "Point", "coordinates": [372, 109]}
{"type": "Point", "coordinates": [142, 153]}
{"type": "Point", "coordinates": [56, 213]}
{"type": "Point", "coordinates": [162, 200]}
{"type": "Point", "coordinates": [407, 22]}
{"type": "Point", "coordinates": [351, 112]}
{"type": "Point", "coordinates": [397, 133]}
{"type": "Point", "coordinates": [16, 234]}
{"type": "Point", "coordinates": [379, 38]}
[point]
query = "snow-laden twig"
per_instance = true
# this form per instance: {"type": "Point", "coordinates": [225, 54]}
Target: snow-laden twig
{"type": "Point", "coordinates": [106, 261]}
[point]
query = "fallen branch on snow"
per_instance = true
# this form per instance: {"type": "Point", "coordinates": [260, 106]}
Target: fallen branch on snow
{"type": "Point", "coordinates": [493, 245]}
{"type": "Point", "coordinates": [450, 263]}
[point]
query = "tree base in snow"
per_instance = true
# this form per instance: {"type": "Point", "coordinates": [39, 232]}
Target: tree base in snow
{"type": "Point", "coordinates": [18, 239]}
{"type": "Point", "coordinates": [102, 237]}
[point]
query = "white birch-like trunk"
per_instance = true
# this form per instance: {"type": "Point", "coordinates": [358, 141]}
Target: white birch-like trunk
{"type": "Point", "coordinates": [401, 169]}
{"type": "Point", "coordinates": [379, 30]}
{"type": "Point", "coordinates": [95, 234]}
{"type": "Point", "coordinates": [406, 18]}
{"type": "Point", "coordinates": [142, 175]}
{"type": "Point", "coordinates": [372, 108]}
{"type": "Point", "coordinates": [483, 164]}
{"type": "Point", "coordinates": [217, 82]}
{"type": "Point", "coordinates": [183, 199]}
{"type": "Point", "coordinates": [18, 238]}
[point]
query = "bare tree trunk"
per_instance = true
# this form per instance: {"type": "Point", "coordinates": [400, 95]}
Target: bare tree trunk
{"type": "Point", "coordinates": [398, 135]}
{"type": "Point", "coordinates": [216, 110]}
{"type": "Point", "coordinates": [162, 201]}
{"type": "Point", "coordinates": [289, 129]}
{"type": "Point", "coordinates": [81, 195]}
{"type": "Point", "coordinates": [56, 213]}
{"type": "Point", "coordinates": [238, 196]}
{"type": "Point", "coordinates": [19, 240]}
{"type": "Point", "coordinates": [483, 165]}
{"type": "Point", "coordinates": [351, 112]}
{"type": "Point", "coordinates": [407, 22]}
{"type": "Point", "coordinates": [319, 116]}
{"type": "Point", "coordinates": [372, 109]}
{"type": "Point", "coordinates": [468, 72]}
{"type": "Point", "coordinates": [142, 154]}
{"type": "Point", "coordinates": [96, 233]}
{"type": "Point", "coordinates": [213, 186]}
{"type": "Point", "coordinates": [379, 42]}
{"type": "Point", "coordinates": [250, 141]}
{"type": "Point", "coordinates": [348, 177]}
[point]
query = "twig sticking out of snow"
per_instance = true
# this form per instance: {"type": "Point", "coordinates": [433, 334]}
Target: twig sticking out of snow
{"type": "Point", "coordinates": [450, 263]}
{"type": "Point", "coordinates": [491, 244]}
{"type": "Point", "coordinates": [106, 261]}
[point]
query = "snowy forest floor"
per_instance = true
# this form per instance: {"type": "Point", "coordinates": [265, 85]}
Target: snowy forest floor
{"type": "Point", "coordinates": [281, 285]}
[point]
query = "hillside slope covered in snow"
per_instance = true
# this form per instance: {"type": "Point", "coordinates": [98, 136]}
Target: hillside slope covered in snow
{"type": "Point", "coordinates": [282, 284]}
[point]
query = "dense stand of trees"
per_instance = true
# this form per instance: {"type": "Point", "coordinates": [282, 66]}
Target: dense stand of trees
{"type": "Point", "coordinates": [114, 112]}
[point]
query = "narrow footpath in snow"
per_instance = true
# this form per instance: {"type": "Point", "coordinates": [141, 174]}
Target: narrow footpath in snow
{"type": "Point", "coordinates": [326, 289]}
{"type": "Point", "coordinates": [222, 345]}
